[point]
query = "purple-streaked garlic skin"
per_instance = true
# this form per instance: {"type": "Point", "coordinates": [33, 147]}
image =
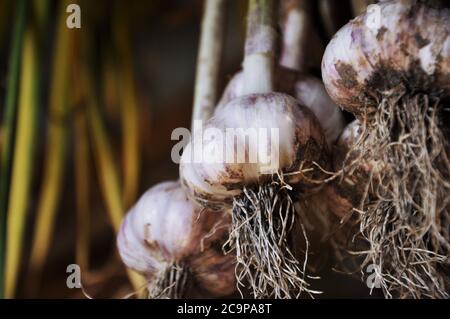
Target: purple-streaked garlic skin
{"type": "Point", "coordinates": [165, 227]}
{"type": "Point", "coordinates": [214, 185]}
{"type": "Point", "coordinates": [307, 89]}
{"type": "Point", "coordinates": [393, 45]}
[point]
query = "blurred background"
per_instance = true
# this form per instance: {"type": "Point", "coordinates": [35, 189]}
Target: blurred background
{"type": "Point", "coordinates": [86, 118]}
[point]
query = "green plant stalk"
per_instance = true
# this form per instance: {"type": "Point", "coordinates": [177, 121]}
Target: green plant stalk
{"type": "Point", "coordinates": [8, 126]}
{"type": "Point", "coordinates": [22, 161]}
{"type": "Point", "coordinates": [102, 150]}
{"type": "Point", "coordinates": [82, 170]}
{"type": "Point", "coordinates": [130, 127]}
{"type": "Point", "coordinates": [55, 149]}
{"type": "Point", "coordinates": [82, 186]}
{"type": "Point", "coordinates": [106, 169]}
{"type": "Point", "coordinates": [128, 106]}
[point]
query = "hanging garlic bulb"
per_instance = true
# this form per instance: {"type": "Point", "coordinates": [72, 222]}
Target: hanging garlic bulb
{"type": "Point", "coordinates": [390, 68]}
{"type": "Point", "coordinates": [258, 173]}
{"type": "Point", "coordinates": [175, 244]}
{"type": "Point", "coordinates": [311, 92]}
{"type": "Point", "coordinates": [261, 187]}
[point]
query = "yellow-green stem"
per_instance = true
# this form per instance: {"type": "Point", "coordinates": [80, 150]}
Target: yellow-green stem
{"type": "Point", "coordinates": [8, 127]}
{"type": "Point", "coordinates": [22, 162]}
{"type": "Point", "coordinates": [51, 189]}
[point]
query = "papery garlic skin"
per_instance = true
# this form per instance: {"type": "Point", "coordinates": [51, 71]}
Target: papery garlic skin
{"type": "Point", "coordinates": [301, 142]}
{"type": "Point", "coordinates": [307, 89]}
{"type": "Point", "coordinates": [233, 89]}
{"type": "Point", "coordinates": [311, 92]}
{"type": "Point", "coordinates": [165, 228]}
{"type": "Point", "coordinates": [393, 45]}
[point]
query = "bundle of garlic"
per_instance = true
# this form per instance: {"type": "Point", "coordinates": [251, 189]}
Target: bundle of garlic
{"type": "Point", "coordinates": [268, 161]}
{"type": "Point", "coordinates": [176, 245]}
{"type": "Point", "coordinates": [390, 68]}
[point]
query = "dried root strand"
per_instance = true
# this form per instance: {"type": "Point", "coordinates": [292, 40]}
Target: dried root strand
{"type": "Point", "coordinates": [262, 221]}
{"type": "Point", "coordinates": [406, 212]}
{"type": "Point", "coordinates": [169, 283]}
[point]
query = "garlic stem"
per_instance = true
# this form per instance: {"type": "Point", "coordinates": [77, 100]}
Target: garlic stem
{"type": "Point", "coordinates": [259, 48]}
{"type": "Point", "coordinates": [208, 61]}
{"type": "Point", "coordinates": [296, 28]}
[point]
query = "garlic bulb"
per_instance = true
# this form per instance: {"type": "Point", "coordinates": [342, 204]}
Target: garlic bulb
{"type": "Point", "coordinates": [259, 176]}
{"type": "Point", "coordinates": [311, 92]}
{"type": "Point", "coordinates": [288, 128]}
{"type": "Point", "coordinates": [173, 242]}
{"type": "Point", "coordinates": [390, 68]}
{"type": "Point", "coordinates": [347, 140]}
{"type": "Point", "coordinates": [394, 45]}
{"type": "Point", "coordinates": [259, 152]}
